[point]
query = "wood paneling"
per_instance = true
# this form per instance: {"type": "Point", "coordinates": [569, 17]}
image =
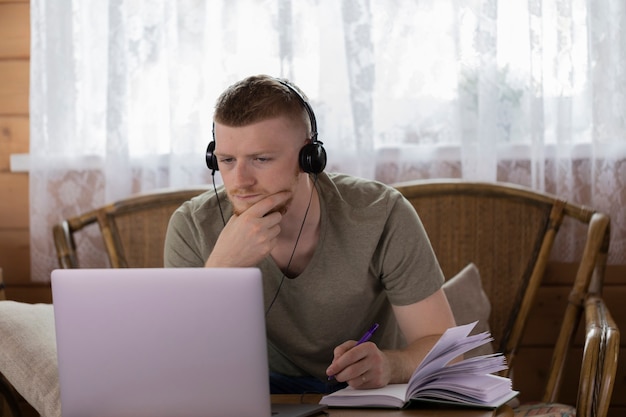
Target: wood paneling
{"type": "Point", "coordinates": [545, 318]}
{"type": "Point", "coordinates": [14, 138]}
{"type": "Point", "coordinates": [14, 76]}
{"type": "Point", "coordinates": [14, 228]}
{"type": "Point", "coordinates": [560, 273]}
{"type": "Point", "coordinates": [14, 133]}
{"type": "Point", "coordinates": [14, 202]}
{"type": "Point", "coordinates": [15, 256]}
{"type": "Point", "coordinates": [14, 34]}
{"type": "Point", "coordinates": [30, 293]}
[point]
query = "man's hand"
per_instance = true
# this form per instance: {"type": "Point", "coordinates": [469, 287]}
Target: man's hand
{"type": "Point", "coordinates": [249, 237]}
{"type": "Point", "coordinates": [362, 366]}
{"type": "Point", "coordinates": [365, 366]}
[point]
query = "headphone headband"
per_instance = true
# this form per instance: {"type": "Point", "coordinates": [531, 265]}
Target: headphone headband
{"type": "Point", "coordinates": [312, 157]}
{"type": "Point", "coordinates": [306, 105]}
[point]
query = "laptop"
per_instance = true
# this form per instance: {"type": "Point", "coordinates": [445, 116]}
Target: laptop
{"type": "Point", "coordinates": [164, 342]}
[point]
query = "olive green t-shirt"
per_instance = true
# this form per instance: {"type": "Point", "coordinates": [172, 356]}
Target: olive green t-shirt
{"type": "Point", "coordinates": [372, 252]}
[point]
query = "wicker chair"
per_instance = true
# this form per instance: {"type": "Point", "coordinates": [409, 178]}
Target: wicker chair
{"type": "Point", "coordinates": [133, 229]}
{"type": "Point", "coordinates": [508, 232]}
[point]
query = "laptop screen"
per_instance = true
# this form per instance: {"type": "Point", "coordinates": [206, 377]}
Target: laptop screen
{"type": "Point", "coordinates": [161, 342]}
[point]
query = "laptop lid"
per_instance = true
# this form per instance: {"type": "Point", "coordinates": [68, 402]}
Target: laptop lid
{"type": "Point", "coordinates": [161, 342]}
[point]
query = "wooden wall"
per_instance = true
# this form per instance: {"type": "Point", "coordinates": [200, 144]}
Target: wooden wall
{"type": "Point", "coordinates": [14, 138]}
{"type": "Point", "coordinates": [14, 222]}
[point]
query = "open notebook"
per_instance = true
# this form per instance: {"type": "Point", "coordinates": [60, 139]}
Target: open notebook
{"type": "Point", "coordinates": [163, 342]}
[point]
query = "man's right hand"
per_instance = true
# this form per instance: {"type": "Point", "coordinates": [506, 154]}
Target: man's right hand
{"type": "Point", "coordinates": [249, 237]}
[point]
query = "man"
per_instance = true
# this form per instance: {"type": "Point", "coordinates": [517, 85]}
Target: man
{"type": "Point", "coordinates": [337, 253]}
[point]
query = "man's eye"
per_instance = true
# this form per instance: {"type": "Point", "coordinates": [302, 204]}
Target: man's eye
{"type": "Point", "coordinates": [226, 160]}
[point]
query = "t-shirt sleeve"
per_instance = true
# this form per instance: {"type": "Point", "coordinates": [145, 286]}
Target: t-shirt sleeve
{"type": "Point", "coordinates": [409, 269]}
{"type": "Point", "coordinates": [182, 241]}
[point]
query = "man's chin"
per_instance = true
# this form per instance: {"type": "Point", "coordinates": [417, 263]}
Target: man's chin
{"type": "Point", "coordinates": [282, 209]}
{"type": "Point", "coordinates": [238, 210]}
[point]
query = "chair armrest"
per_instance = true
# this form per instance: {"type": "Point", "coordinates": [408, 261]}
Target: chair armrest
{"type": "Point", "coordinates": [64, 244]}
{"type": "Point", "coordinates": [599, 366]}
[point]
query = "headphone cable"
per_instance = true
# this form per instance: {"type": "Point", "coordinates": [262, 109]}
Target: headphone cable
{"type": "Point", "coordinates": [293, 252]}
{"type": "Point", "coordinates": [219, 205]}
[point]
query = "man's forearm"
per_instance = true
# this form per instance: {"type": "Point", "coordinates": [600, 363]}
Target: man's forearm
{"type": "Point", "coordinates": [403, 362]}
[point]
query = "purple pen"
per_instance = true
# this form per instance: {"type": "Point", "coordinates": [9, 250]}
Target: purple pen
{"type": "Point", "coordinates": [368, 335]}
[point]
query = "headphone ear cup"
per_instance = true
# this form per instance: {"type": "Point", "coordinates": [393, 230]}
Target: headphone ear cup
{"type": "Point", "coordinates": [211, 159]}
{"type": "Point", "coordinates": [313, 158]}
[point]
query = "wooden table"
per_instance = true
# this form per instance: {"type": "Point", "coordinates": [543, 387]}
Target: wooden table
{"type": "Point", "coordinates": [504, 411]}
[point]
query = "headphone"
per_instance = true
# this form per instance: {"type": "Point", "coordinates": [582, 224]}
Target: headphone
{"type": "Point", "coordinates": [312, 156]}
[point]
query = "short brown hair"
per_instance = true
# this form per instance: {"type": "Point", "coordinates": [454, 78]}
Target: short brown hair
{"type": "Point", "coordinates": [258, 98]}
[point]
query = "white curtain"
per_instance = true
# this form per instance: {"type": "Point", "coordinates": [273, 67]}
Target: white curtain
{"type": "Point", "coordinates": [528, 91]}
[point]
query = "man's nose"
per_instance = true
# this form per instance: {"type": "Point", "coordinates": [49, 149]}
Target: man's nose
{"type": "Point", "coordinates": [243, 174]}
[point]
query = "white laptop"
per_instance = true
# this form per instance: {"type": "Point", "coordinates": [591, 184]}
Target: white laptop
{"type": "Point", "coordinates": [163, 342]}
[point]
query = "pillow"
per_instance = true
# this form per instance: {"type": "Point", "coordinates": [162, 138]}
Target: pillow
{"type": "Point", "coordinates": [469, 303]}
{"type": "Point", "coordinates": [28, 354]}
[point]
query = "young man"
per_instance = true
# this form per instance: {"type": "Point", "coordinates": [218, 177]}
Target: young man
{"type": "Point", "coordinates": [337, 253]}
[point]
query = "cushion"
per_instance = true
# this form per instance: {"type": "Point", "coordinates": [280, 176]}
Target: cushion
{"type": "Point", "coordinates": [28, 355]}
{"type": "Point", "coordinates": [469, 303]}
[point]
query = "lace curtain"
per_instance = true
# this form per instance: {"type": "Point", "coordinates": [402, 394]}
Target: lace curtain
{"type": "Point", "coordinates": [530, 92]}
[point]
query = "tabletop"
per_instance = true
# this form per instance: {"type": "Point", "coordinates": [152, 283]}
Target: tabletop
{"type": "Point", "coordinates": [503, 411]}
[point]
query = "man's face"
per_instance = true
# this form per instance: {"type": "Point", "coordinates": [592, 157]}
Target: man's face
{"type": "Point", "coordinates": [259, 159]}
